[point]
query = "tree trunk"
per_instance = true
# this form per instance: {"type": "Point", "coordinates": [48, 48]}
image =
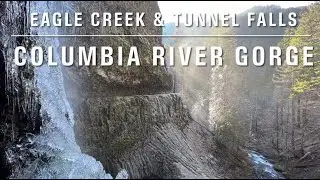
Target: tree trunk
{"type": "Point", "coordinates": [277, 127]}
{"type": "Point", "coordinates": [298, 112]}
{"type": "Point", "coordinates": [304, 120]}
{"type": "Point", "coordinates": [287, 124]}
{"type": "Point", "coordinates": [281, 119]}
{"type": "Point", "coordinates": [293, 126]}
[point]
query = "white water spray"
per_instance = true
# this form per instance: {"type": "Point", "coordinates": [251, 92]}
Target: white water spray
{"type": "Point", "coordinates": [57, 140]}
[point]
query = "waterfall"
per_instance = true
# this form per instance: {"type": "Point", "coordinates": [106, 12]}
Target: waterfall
{"type": "Point", "coordinates": [56, 141]}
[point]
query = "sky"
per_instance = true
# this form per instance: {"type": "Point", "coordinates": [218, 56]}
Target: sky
{"type": "Point", "coordinates": [168, 8]}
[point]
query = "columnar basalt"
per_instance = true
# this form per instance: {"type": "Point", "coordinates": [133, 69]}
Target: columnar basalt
{"type": "Point", "coordinates": [126, 117]}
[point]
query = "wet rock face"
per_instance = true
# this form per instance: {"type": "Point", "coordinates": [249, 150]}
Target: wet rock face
{"type": "Point", "coordinates": [19, 104]}
{"type": "Point", "coordinates": [36, 121]}
{"type": "Point", "coordinates": [149, 136]}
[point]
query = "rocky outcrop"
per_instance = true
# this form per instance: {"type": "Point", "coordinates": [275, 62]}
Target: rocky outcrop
{"type": "Point", "coordinates": [19, 104]}
{"type": "Point", "coordinates": [37, 124]}
{"type": "Point", "coordinates": [126, 117]}
{"type": "Point", "coordinates": [149, 136]}
{"type": "Point", "coordinates": [117, 80]}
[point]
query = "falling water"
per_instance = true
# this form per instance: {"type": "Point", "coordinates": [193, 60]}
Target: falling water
{"type": "Point", "coordinates": [57, 140]}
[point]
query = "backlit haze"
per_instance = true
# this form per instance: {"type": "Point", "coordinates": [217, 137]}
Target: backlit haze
{"type": "Point", "coordinates": [168, 8]}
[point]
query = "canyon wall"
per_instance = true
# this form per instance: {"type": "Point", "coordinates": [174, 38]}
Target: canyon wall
{"type": "Point", "coordinates": [127, 117]}
{"type": "Point", "coordinates": [61, 122]}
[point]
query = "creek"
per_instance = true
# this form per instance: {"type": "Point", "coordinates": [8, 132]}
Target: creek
{"type": "Point", "coordinates": [263, 168]}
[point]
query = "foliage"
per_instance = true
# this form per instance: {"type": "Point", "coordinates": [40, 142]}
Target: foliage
{"type": "Point", "coordinates": [231, 131]}
{"type": "Point", "coordinates": [307, 78]}
{"type": "Point", "coordinates": [231, 125]}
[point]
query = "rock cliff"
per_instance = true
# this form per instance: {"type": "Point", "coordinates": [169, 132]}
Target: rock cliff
{"type": "Point", "coordinates": [36, 120]}
{"type": "Point", "coordinates": [148, 135]}
{"type": "Point", "coordinates": [125, 117]}
{"type": "Point", "coordinates": [117, 80]}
